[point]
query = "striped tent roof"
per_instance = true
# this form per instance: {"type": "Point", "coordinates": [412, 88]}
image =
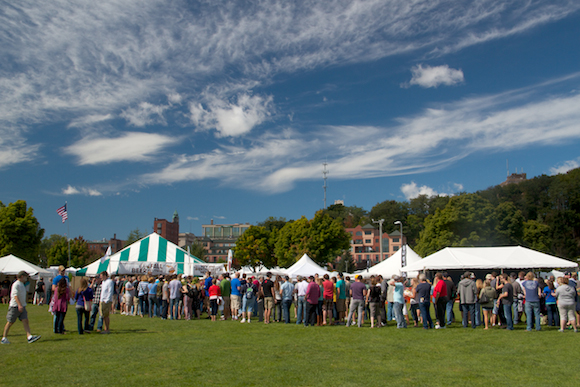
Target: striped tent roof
{"type": "Point", "coordinates": [152, 248]}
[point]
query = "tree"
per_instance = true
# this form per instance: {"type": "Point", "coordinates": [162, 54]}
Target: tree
{"type": "Point", "coordinates": [537, 236]}
{"type": "Point", "coordinates": [390, 211]}
{"type": "Point", "coordinates": [46, 245]}
{"type": "Point", "coordinates": [350, 216]}
{"type": "Point", "coordinates": [346, 263]}
{"type": "Point", "coordinates": [79, 252]}
{"type": "Point", "coordinates": [273, 223]}
{"type": "Point", "coordinates": [510, 225]}
{"type": "Point", "coordinates": [255, 247]}
{"type": "Point", "coordinates": [20, 232]}
{"type": "Point", "coordinates": [322, 238]}
{"type": "Point", "coordinates": [466, 220]}
{"type": "Point", "coordinates": [134, 236]}
{"type": "Point", "coordinates": [197, 250]}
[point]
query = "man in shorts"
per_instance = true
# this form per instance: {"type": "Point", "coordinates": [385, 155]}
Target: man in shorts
{"type": "Point", "coordinates": [17, 309]}
{"type": "Point", "coordinates": [327, 296]}
{"type": "Point", "coordinates": [235, 296]}
{"type": "Point", "coordinates": [341, 298]}
{"type": "Point", "coordinates": [268, 289]}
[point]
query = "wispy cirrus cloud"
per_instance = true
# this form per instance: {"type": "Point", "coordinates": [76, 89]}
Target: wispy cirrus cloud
{"type": "Point", "coordinates": [565, 166]}
{"type": "Point", "coordinates": [70, 190]}
{"type": "Point", "coordinates": [434, 76]}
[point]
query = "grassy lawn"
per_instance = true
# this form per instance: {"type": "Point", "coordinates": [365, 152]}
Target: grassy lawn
{"type": "Point", "coordinates": [146, 352]}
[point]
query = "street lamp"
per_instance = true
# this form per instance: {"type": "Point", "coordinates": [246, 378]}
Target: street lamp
{"type": "Point", "coordinates": [403, 249]}
{"type": "Point", "coordinates": [380, 222]}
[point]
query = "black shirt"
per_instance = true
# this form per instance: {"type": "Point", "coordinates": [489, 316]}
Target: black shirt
{"type": "Point", "coordinates": [267, 286]}
{"type": "Point", "coordinates": [508, 288]}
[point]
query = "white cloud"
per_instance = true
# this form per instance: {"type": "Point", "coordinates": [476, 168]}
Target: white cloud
{"type": "Point", "coordinates": [145, 114]}
{"type": "Point", "coordinates": [435, 76]}
{"type": "Point", "coordinates": [231, 119]}
{"type": "Point", "coordinates": [89, 120]}
{"type": "Point", "coordinates": [70, 190]}
{"type": "Point", "coordinates": [192, 218]}
{"type": "Point", "coordinates": [14, 148]}
{"type": "Point", "coordinates": [565, 167]}
{"type": "Point", "coordinates": [412, 191]}
{"type": "Point", "coordinates": [130, 146]}
{"type": "Point", "coordinates": [219, 217]}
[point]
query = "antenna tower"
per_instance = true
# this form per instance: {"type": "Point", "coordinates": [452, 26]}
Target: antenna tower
{"type": "Point", "coordinates": [324, 173]}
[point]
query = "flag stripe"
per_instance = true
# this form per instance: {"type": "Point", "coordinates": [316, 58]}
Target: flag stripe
{"type": "Point", "coordinates": [63, 213]}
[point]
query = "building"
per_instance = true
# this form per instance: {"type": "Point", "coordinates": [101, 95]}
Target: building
{"type": "Point", "coordinates": [168, 230]}
{"type": "Point", "coordinates": [217, 239]}
{"type": "Point", "coordinates": [186, 239]}
{"type": "Point", "coordinates": [514, 178]}
{"type": "Point", "coordinates": [100, 247]}
{"type": "Point", "coordinates": [365, 245]}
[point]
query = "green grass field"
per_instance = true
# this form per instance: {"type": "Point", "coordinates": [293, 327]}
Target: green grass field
{"type": "Point", "coordinates": [146, 352]}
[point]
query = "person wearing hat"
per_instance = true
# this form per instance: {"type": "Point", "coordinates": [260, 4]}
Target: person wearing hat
{"type": "Point", "coordinates": [17, 309]}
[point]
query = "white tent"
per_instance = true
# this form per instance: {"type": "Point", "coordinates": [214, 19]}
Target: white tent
{"type": "Point", "coordinates": [305, 267]}
{"type": "Point", "coordinates": [152, 254]}
{"type": "Point", "coordinates": [260, 270]}
{"type": "Point", "coordinates": [392, 265]}
{"type": "Point", "coordinates": [12, 265]}
{"type": "Point", "coordinates": [489, 258]}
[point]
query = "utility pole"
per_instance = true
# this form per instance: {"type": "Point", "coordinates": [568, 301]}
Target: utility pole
{"type": "Point", "coordinates": [324, 173]}
{"type": "Point", "coordinates": [380, 222]}
{"type": "Point", "coordinates": [403, 246]}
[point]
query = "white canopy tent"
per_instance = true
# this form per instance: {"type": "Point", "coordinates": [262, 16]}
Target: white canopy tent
{"type": "Point", "coordinates": [260, 270]}
{"type": "Point", "coordinates": [392, 265]}
{"type": "Point", "coordinates": [489, 258]}
{"type": "Point", "coordinates": [305, 267]}
{"type": "Point", "coordinates": [12, 265]}
{"type": "Point", "coordinates": [152, 254]}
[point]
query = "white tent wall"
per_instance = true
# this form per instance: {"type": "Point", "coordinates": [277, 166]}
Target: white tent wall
{"type": "Point", "coordinates": [305, 267]}
{"type": "Point", "coordinates": [392, 265]}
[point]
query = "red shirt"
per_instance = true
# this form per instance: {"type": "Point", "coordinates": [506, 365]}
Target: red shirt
{"type": "Point", "coordinates": [440, 289]}
{"type": "Point", "coordinates": [328, 289]}
{"type": "Point", "coordinates": [214, 291]}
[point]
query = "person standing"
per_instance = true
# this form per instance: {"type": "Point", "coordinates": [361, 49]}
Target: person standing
{"type": "Point", "coordinates": [341, 298]}
{"type": "Point", "coordinates": [399, 301]}
{"type": "Point", "coordinates": [358, 292]}
{"type": "Point", "coordinates": [287, 290]}
{"type": "Point", "coordinates": [226, 288]}
{"type": "Point", "coordinates": [96, 286]}
{"type": "Point", "coordinates": [424, 298]}
{"type": "Point", "coordinates": [505, 299]}
{"type": "Point", "coordinates": [235, 295]}
{"type": "Point", "coordinates": [175, 296]}
{"type": "Point", "coordinates": [268, 290]}
{"type": "Point", "coordinates": [328, 295]}
{"type": "Point", "coordinates": [467, 290]}
{"type": "Point", "coordinates": [83, 298]}
{"type": "Point", "coordinates": [300, 290]}
{"type": "Point", "coordinates": [17, 309]}
{"type": "Point", "coordinates": [107, 293]}
{"type": "Point", "coordinates": [486, 299]}
{"type": "Point", "coordinates": [39, 292]}
{"type": "Point", "coordinates": [214, 294]}
{"type": "Point", "coordinates": [440, 295]}
{"type": "Point", "coordinates": [312, 296]}
{"type": "Point", "coordinates": [129, 294]}
{"type": "Point", "coordinates": [374, 301]}
{"type": "Point", "coordinates": [452, 295]}
{"type": "Point", "coordinates": [532, 293]}
{"type": "Point", "coordinates": [566, 298]}
{"type": "Point", "coordinates": [552, 308]}
{"type": "Point", "coordinates": [152, 298]}
{"type": "Point", "coordinates": [61, 299]}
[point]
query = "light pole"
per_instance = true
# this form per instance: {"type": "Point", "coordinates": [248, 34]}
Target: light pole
{"type": "Point", "coordinates": [380, 222]}
{"type": "Point", "coordinates": [403, 249]}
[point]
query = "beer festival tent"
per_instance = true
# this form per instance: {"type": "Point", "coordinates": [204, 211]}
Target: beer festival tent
{"type": "Point", "coordinates": [305, 267]}
{"type": "Point", "coordinates": [392, 265]}
{"type": "Point", "coordinates": [152, 254]}
{"type": "Point", "coordinates": [12, 265]}
{"type": "Point", "coordinates": [489, 258]}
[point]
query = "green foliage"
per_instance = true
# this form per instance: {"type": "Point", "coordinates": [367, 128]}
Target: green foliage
{"type": "Point", "coordinates": [273, 223]}
{"type": "Point", "coordinates": [346, 263]}
{"type": "Point", "coordinates": [322, 238]}
{"type": "Point", "coordinates": [255, 247]}
{"type": "Point", "coordinates": [197, 250]}
{"type": "Point", "coordinates": [390, 211]}
{"type": "Point", "coordinates": [537, 236]}
{"type": "Point", "coordinates": [57, 254]}
{"type": "Point", "coordinates": [350, 216]}
{"type": "Point", "coordinates": [134, 236]}
{"type": "Point", "coordinates": [20, 232]}
{"type": "Point", "coordinates": [466, 220]}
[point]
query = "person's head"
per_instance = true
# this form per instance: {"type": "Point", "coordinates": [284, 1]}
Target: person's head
{"type": "Point", "coordinates": [22, 276]}
{"type": "Point", "coordinates": [213, 281]}
{"type": "Point", "coordinates": [530, 276]}
{"type": "Point", "coordinates": [466, 274]}
{"type": "Point", "coordinates": [445, 275]}
{"type": "Point", "coordinates": [347, 278]}
{"type": "Point", "coordinates": [61, 269]}
{"type": "Point", "coordinates": [521, 274]}
{"type": "Point", "coordinates": [358, 278]}
{"type": "Point", "coordinates": [550, 284]}
{"type": "Point", "coordinates": [438, 276]}
{"type": "Point", "coordinates": [494, 274]}
{"type": "Point", "coordinates": [422, 277]}
{"type": "Point", "coordinates": [373, 281]}
{"type": "Point", "coordinates": [299, 278]}
{"type": "Point", "coordinates": [513, 275]}
{"type": "Point", "coordinates": [311, 278]}
{"type": "Point", "coordinates": [340, 275]}
{"type": "Point", "coordinates": [333, 279]}
{"type": "Point", "coordinates": [269, 275]}
{"type": "Point", "coordinates": [565, 280]}
{"type": "Point", "coordinates": [505, 278]}
{"type": "Point", "coordinates": [104, 275]}
{"type": "Point", "coordinates": [414, 282]}
{"type": "Point", "coordinates": [84, 285]}
{"type": "Point", "coordinates": [487, 282]}
{"type": "Point", "coordinates": [326, 277]}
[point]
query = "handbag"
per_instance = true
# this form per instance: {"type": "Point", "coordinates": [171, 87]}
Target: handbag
{"type": "Point", "coordinates": [88, 304]}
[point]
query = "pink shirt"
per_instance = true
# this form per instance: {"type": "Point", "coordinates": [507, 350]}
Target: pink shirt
{"type": "Point", "coordinates": [312, 293]}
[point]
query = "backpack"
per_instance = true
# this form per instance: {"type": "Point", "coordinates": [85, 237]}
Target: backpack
{"type": "Point", "coordinates": [483, 299]}
{"type": "Point", "coordinates": [192, 292]}
{"type": "Point", "coordinates": [250, 293]}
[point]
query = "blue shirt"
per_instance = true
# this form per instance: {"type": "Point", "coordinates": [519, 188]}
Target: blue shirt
{"type": "Point", "coordinates": [548, 295]}
{"type": "Point", "coordinates": [58, 278]}
{"type": "Point", "coordinates": [235, 283]}
{"type": "Point", "coordinates": [153, 289]}
{"type": "Point", "coordinates": [531, 291]}
{"type": "Point", "coordinates": [287, 289]}
{"type": "Point", "coordinates": [398, 293]}
{"type": "Point", "coordinates": [207, 285]}
{"type": "Point", "coordinates": [341, 289]}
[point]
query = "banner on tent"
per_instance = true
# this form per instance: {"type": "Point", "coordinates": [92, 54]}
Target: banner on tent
{"type": "Point", "coordinates": [153, 268]}
{"type": "Point", "coordinates": [199, 270]}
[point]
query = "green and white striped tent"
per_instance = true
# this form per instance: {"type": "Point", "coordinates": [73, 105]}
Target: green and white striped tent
{"type": "Point", "coordinates": [150, 254]}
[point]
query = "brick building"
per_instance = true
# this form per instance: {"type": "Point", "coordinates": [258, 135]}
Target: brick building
{"type": "Point", "coordinates": [168, 230]}
{"type": "Point", "coordinates": [365, 245]}
{"type": "Point", "coordinates": [100, 247]}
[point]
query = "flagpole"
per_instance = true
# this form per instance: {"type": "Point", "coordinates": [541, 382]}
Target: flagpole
{"type": "Point", "coordinates": [68, 233]}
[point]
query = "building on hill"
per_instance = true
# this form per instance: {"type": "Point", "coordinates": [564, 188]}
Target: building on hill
{"type": "Point", "coordinates": [168, 230]}
{"type": "Point", "coordinates": [514, 178]}
{"type": "Point", "coordinates": [100, 247]}
{"type": "Point", "coordinates": [365, 245]}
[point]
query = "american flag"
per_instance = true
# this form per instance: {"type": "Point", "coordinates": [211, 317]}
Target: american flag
{"type": "Point", "coordinates": [63, 213]}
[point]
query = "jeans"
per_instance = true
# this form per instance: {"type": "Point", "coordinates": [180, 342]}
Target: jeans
{"type": "Point", "coordinates": [390, 306]}
{"type": "Point", "coordinates": [153, 307]}
{"type": "Point", "coordinates": [440, 310]}
{"type": "Point", "coordinates": [477, 314]}
{"type": "Point", "coordinates": [310, 314]}
{"type": "Point", "coordinates": [81, 312]}
{"type": "Point", "coordinates": [401, 322]}
{"type": "Point", "coordinates": [59, 322]}
{"type": "Point", "coordinates": [359, 305]}
{"type": "Point", "coordinates": [533, 310]}
{"type": "Point", "coordinates": [174, 308]}
{"type": "Point", "coordinates": [164, 309]}
{"type": "Point", "coordinates": [301, 310]}
{"type": "Point", "coordinates": [425, 307]}
{"type": "Point", "coordinates": [286, 307]}
{"type": "Point", "coordinates": [278, 310]}
{"type": "Point", "coordinates": [414, 309]}
{"type": "Point", "coordinates": [449, 311]}
{"type": "Point", "coordinates": [515, 311]}
{"type": "Point", "coordinates": [507, 311]}
{"type": "Point", "coordinates": [143, 304]}
{"type": "Point", "coordinates": [469, 309]}
{"type": "Point", "coordinates": [247, 305]}
{"type": "Point", "coordinates": [94, 313]}
{"type": "Point", "coordinates": [553, 315]}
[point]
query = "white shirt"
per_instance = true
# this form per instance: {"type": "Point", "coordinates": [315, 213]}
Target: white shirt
{"type": "Point", "coordinates": [107, 290]}
{"type": "Point", "coordinates": [301, 288]}
{"type": "Point", "coordinates": [18, 290]}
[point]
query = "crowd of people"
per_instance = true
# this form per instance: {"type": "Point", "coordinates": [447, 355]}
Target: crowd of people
{"type": "Point", "coordinates": [497, 300]}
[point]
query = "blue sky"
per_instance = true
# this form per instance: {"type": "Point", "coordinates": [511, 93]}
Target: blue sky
{"type": "Point", "coordinates": [225, 110]}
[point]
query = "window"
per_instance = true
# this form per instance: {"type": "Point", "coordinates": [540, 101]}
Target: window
{"type": "Point", "coordinates": [368, 241]}
{"type": "Point", "coordinates": [376, 241]}
{"type": "Point", "coordinates": [359, 233]}
{"type": "Point", "coordinates": [395, 240]}
{"type": "Point", "coordinates": [395, 248]}
{"type": "Point", "coordinates": [368, 233]}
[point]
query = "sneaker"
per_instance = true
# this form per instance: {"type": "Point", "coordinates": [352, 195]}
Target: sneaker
{"type": "Point", "coordinates": [243, 320]}
{"type": "Point", "coordinates": [32, 339]}
{"type": "Point", "coordinates": [5, 341]}
{"type": "Point", "coordinates": [437, 326]}
{"type": "Point", "coordinates": [249, 321]}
